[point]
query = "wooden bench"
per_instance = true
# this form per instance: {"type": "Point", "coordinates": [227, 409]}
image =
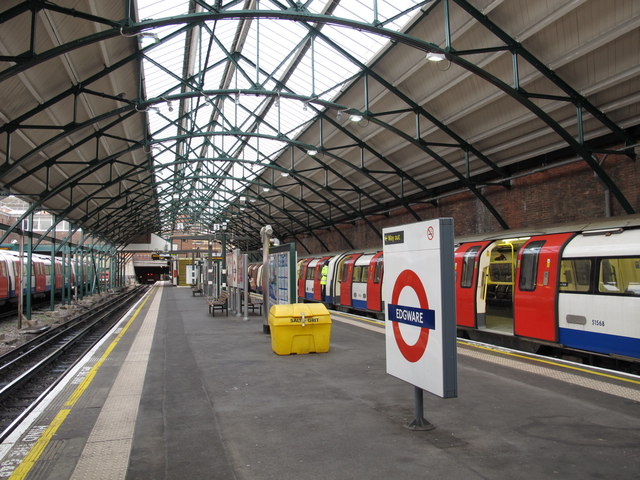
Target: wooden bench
{"type": "Point", "coordinates": [197, 290]}
{"type": "Point", "coordinates": [219, 303]}
{"type": "Point", "coordinates": [254, 303]}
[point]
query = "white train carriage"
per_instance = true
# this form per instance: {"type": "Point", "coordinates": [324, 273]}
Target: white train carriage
{"type": "Point", "coordinates": [599, 293]}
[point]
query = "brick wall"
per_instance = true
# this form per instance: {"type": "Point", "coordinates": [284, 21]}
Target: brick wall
{"type": "Point", "coordinates": [563, 194]}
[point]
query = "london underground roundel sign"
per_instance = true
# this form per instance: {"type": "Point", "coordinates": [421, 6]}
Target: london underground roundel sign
{"type": "Point", "coordinates": [420, 317]}
{"type": "Point", "coordinates": [418, 290]}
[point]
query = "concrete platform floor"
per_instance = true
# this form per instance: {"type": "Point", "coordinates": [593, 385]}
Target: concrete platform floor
{"type": "Point", "coordinates": [217, 403]}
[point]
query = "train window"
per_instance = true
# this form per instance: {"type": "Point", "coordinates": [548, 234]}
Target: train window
{"type": "Point", "coordinates": [310, 272]}
{"type": "Point", "coordinates": [529, 265]}
{"type": "Point", "coordinates": [377, 273]}
{"type": "Point", "coordinates": [364, 274]}
{"type": "Point", "coordinates": [357, 275]}
{"type": "Point", "coordinates": [468, 263]}
{"type": "Point", "coordinates": [344, 272]}
{"type": "Point", "coordinates": [619, 276]}
{"type": "Point", "coordinates": [575, 275]}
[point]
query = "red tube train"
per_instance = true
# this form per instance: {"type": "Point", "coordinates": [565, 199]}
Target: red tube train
{"type": "Point", "coordinates": [41, 282]}
{"type": "Point", "coordinates": [575, 287]}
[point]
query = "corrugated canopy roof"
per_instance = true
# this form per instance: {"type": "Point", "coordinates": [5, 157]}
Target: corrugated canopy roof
{"type": "Point", "coordinates": [192, 115]}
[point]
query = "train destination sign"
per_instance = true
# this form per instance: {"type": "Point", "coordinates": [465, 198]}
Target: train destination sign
{"type": "Point", "coordinates": [418, 290]}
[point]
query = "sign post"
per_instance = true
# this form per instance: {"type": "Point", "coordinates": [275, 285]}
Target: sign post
{"type": "Point", "coordinates": [419, 294]}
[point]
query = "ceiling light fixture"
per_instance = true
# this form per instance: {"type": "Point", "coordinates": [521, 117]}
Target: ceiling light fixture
{"type": "Point", "coordinates": [312, 152]}
{"type": "Point", "coordinates": [435, 57]}
{"type": "Point", "coordinates": [284, 174]}
{"type": "Point", "coordinates": [355, 117]}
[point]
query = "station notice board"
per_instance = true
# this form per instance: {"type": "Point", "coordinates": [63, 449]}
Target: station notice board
{"type": "Point", "coordinates": [419, 293]}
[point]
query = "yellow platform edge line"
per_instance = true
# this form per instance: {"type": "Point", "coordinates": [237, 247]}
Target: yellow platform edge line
{"type": "Point", "coordinates": [549, 362]}
{"type": "Point", "coordinates": [38, 448]}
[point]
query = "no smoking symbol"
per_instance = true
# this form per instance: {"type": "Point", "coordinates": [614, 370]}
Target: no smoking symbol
{"type": "Point", "coordinates": [430, 233]}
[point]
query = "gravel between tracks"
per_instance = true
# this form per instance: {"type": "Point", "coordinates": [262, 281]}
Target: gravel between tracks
{"type": "Point", "coordinates": [11, 336]}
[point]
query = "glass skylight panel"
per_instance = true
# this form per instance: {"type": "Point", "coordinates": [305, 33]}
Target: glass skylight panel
{"type": "Point", "coordinates": [148, 9]}
{"type": "Point", "coordinates": [280, 41]}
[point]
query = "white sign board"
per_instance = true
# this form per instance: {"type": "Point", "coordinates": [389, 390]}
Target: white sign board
{"type": "Point", "coordinates": [419, 294]}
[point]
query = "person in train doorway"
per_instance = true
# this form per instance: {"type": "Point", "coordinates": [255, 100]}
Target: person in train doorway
{"type": "Point", "coordinates": [323, 280]}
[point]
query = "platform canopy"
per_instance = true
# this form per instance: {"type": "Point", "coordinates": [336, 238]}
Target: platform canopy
{"type": "Point", "coordinates": [194, 116]}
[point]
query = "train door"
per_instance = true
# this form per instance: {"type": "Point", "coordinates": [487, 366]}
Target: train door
{"type": "Point", "coordinates": [499, 264]}
{"type": "Point", "coordinates": [374, 283]}
{"type": "Point", "coordinates": [346, 279]}
{"type": "Point", "coordinates": [317, 286]}
{"type": "Point", "coordinates": [359, 282]}
{"type": "Point", "coordinates": [302, 276]}
{"type": "Point", "coordinates": [310, 279]}
{"type": "Point", "coordinates": [46, 269]}
{"type": "Point", "coordinates": [4, 280]}
{"type": "Point", "coordinates": [469, 298]}
{"type": "Point", "coordinates": [41, 279]}
{"type": "Point", "coordinates": [334, 264]}
{"type": "Point", "coordinates": [12, 266]}
{"type": "Point", "coordinates": [536, 294]}
{"type": "Point", "coordinates": [58, 275]}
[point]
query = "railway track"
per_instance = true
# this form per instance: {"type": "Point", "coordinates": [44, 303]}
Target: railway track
{"type": "Point", "coordinates": [32, 369]}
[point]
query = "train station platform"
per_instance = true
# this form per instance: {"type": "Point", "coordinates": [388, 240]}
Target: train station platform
{"type": "Point", "coordinates": [175, 393]}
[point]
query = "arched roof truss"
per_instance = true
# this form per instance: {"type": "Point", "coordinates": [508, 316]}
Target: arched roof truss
{"type": "Point", "coordinates": [191, 114]}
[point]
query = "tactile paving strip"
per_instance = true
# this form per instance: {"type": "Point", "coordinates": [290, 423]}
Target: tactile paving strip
{"type": "Point", "coordinates": [586, 381]}
{"type": "Point", "coordinates": [106, 454]}
{"type": "Point", "coordinates": [500, 358]}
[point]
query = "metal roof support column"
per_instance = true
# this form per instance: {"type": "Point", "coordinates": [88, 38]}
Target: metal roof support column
{"type": "Point", "coordinates": [65, 248]}
{"type": "Point", "coordinates": [52, 303]}
{"type": "Point", "coordinates": [106, 267]}
{"type": "Point", "coordinates": [29, 268]}
{"type": "Point", "coordinates": [113, 265]}
{"type": "Point", "coordinates": [95, 270]}
{"type": "Point", "coordinates": [120, 259]}
{"type": "Point", "coordinates": [102, 270]}
{"type": "Point", "coordinates": [66, 275]}
{"type": "Point", "coordinates": [20, 275]}
{"type": "Point", "coordinates": [80, 263]}
{"type": "Point", "coordinates": [78, 274]}
{"type": "Point", "coordinates": [223, 254]}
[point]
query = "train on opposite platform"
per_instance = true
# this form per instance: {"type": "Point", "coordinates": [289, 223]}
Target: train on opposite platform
{"type": "Point", "coordinates": [574, 287]}
{"type": "Point", "coordinates": [41, 283]}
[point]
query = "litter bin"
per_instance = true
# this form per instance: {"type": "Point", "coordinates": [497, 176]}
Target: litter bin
{"type": "Point", "coordinates": [299, 328]}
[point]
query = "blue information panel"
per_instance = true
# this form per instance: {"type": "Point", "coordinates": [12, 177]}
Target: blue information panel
{"type": "Point", "coordinates": [282, 274]}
